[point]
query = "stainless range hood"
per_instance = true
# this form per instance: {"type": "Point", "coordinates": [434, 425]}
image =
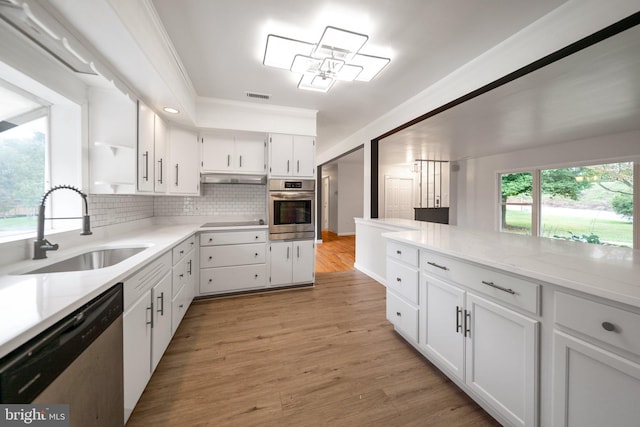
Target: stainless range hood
{"type": "Point", "coordinates": [222, 178]}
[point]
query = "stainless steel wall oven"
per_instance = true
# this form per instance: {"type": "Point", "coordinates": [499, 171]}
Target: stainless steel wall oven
{"type": "Point", "coordinates": [292, 209]}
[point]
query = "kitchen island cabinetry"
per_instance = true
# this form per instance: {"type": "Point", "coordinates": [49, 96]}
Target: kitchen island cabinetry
{"type": "Point", "coordinates": [539, 332]}
{"type": "Point", "coordinates": [233, 152]}
{"type": "Point", "coordinates": [232, 261]}
{"type": "Point", "coordinates": [291, 262]}
{"type": "Point", "coordinates": [476, 332]}
{"type": "Point", "coordinates": [184, 162]}
{"type": "Point", "coordinates": [596, 363]}
{"type": "Point", "coordinates": [292, 156]}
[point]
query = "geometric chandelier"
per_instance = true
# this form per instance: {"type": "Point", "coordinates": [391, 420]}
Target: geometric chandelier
{"type": "Point", "coordinates": [334, 58]}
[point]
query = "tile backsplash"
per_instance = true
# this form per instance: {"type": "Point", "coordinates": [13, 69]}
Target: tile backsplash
{"type": "Point", "coordinates": [109, 210]}
{"type": "Point", "coordinates": [216, 200]}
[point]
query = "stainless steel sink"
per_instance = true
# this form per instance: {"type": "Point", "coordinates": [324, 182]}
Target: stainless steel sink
{"type": "Point", "coordinates": [92, 260]}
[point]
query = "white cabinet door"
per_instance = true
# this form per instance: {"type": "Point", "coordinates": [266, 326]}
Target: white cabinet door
{"type": "Point", "coordinates": [161, 330]}
{"type": "Point", "coordinates": [249, 154]}
{"type": "Point", "coordinates": [184, 168]}
{"type": "Point", "coordinates": [281, 263]}
{"type": "Point", "coordinates": [146, 135]}
{"type": "Point", "coordinates": [501, 359]}
{"type": "Point", "coordinates": [218, 153]}
{"type": "Point", "coordinates": [445, 324]}
{"type": "Point", "coordinates": [303, 261]}
{"type": "Point", "coordinates": [280, 155]}
{"type": "Point", "coordinates": [592, 386]}
{"type": "Point", "coordinates": [160, 155]}
{"type": "Point", "coordinates": [137, 350]}
{"type": "Point", "coordinates": [304, 149]}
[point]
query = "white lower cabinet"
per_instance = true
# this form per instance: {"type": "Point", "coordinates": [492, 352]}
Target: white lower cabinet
{"type": "Point", "coordinates": [161, 331]}
{"type": "Point", "coordinates": [232, 261]}
{"type": "Point", "coordinates": [150, 317]}
{"type": "Point", "coordinates": [490, 348]}
{"type": "Point", "coordinates": [593, 387]}
{"type": "Point", "coordinates": [596, 363]}
{"type": "Point", "coordinates": [137, 351]}
{"type": "Point", "coordinates": [291, 262]}
{"type": "Point", "coordinates": [502, 359]}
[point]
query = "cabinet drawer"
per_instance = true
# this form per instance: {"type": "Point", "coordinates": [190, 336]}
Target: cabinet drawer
{"type": "Point", "coordinates": [402, 253]}
{"type": "Point", "coordinates": [403, 280]}
{"type": "Point", "coordinates": [182, 274]}
{"type": "Point", "coordinates": [231, 279]}
{"type": "Point", "coordinates": [603, 322]}
{"type": "Point", "coordinates": [232, 237]}
{"type": "Point", "coordinates": [403, 316]}
{"type": "Point", "coordinates": [225, 256]}
{"type": "Point", "coordinates": [183, 248]}
{"type": "Point", "coordinates": [503, 287]}
{"type": "Point", "coordinates": [144, 279]}
{"type": "Point", "coordinates": [179, 305]}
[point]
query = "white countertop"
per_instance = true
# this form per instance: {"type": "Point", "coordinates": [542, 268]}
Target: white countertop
{"type": "Point", "coordinates": [603, 271]}
{"type": "Point", "coordinates": [31, 303]}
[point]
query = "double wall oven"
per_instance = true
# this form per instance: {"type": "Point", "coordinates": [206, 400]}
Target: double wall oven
{"type": "Point", "coordinates": [292, 209]}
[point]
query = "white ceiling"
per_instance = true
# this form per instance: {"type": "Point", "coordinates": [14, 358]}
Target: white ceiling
{"type": "Point", "coordinates": [221, 44]}
{"type": "Point", "coordinates": [591, 93]}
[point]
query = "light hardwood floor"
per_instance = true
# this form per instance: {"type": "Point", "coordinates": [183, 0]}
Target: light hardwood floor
{"type": "Point", "coordinates": [314, 356]}
{"type": "Point", "coordinates": [335, 253]}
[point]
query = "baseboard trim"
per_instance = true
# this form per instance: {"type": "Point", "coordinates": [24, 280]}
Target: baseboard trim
{"type": "Point", "coordinates": [371, 274]}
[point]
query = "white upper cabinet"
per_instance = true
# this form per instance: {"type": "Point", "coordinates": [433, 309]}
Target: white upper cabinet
{"type": "Point", "coordinates": [152, 135]}
{"type": "Point", "coordinates": [113, 130]}
{"type": "Point", "coordinates": [146, 148]}
{"type": "Point", "coordinates": [184, 155]}
{"type": "Point", "coordinates": [292, 156]}
{"type": "Point", "coordinates": [160, 155]}
{"type": "Point", "coordinates": [233, 152]}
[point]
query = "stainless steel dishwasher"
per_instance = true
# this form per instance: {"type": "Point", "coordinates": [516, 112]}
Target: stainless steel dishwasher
{"type": "Point", "coordinates": [77, 361]}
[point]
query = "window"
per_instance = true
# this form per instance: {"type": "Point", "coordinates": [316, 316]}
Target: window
{"type": "Point", "coordinates": [592, 204]}
{"type": "Point", "coordinates": [23, 157]}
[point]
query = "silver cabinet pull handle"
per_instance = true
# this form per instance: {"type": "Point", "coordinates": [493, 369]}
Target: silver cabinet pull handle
{"type": "Point", "coordinates": [608, 326]}
{"type": "Point", "coordinates": [441, 267]}
{"type": "Point", "coordinates": [177, 173]}
{"type": "Point", "coordinates": [287, 165]}
{"type": "Point", "coordinates": [150, 310]}
{"type": "Point", "coordinates": [190, 268]}
{"type": "Point", "coordinates": [240, 161]}
{"type": "Point", "coordinates": [160, 180]}
{"type": "Point", "coordinates": [399, 252]}
{"type": "Point", "coordinates": [467, 323]}
{"type": "Point", "coordinates": [398, 279]}
{"type": "Point", "coordinates": [398, 314]}
{"type": "Point", "coordinates": [256, 276]}
{"type": "Point", "coordinates": [228, 160]}
{"type": "Point", "coordinates": [298, 170]}
{"type": "Point", "coordinates": [493, 285]}
{"type": "Point", "coordinates": [161, 299]}
{"type": "Point", "coordinates": [146, 166]}
{"type": "Point", "coordinates": [298, 251]}
{"type": "Point", "coordinates": [458, 319]}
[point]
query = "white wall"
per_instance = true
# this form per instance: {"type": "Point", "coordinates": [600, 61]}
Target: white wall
{"type": "Point", "coordinates": [350, 196]}
{"type": "Point", "coordinates": [223, 114]}
{"type": "Point", "coordinates": [477, 180]}
{"type": "Point", "coordinates": [573, 21]}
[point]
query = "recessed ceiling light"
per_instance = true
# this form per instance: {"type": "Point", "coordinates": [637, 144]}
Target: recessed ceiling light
{"type": "Point", "coordinates": [171, 110]}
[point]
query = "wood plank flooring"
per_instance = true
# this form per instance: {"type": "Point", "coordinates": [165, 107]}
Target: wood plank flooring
{"type": "Point", "coordinates": [335, 253]}
{"type": "Point", "coordinates": [314, 356]}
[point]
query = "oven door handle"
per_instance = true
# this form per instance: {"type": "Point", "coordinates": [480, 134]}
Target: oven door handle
{"type": "Point", "coordinates": [298, 195]}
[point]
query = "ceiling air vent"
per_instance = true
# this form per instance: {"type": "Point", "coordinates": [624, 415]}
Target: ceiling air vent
{"type": "Point", "coordinates": [258, 95]}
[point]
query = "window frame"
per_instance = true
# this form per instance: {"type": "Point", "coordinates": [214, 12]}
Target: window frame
{"type": "Point", "coordinates": [536, 205]}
